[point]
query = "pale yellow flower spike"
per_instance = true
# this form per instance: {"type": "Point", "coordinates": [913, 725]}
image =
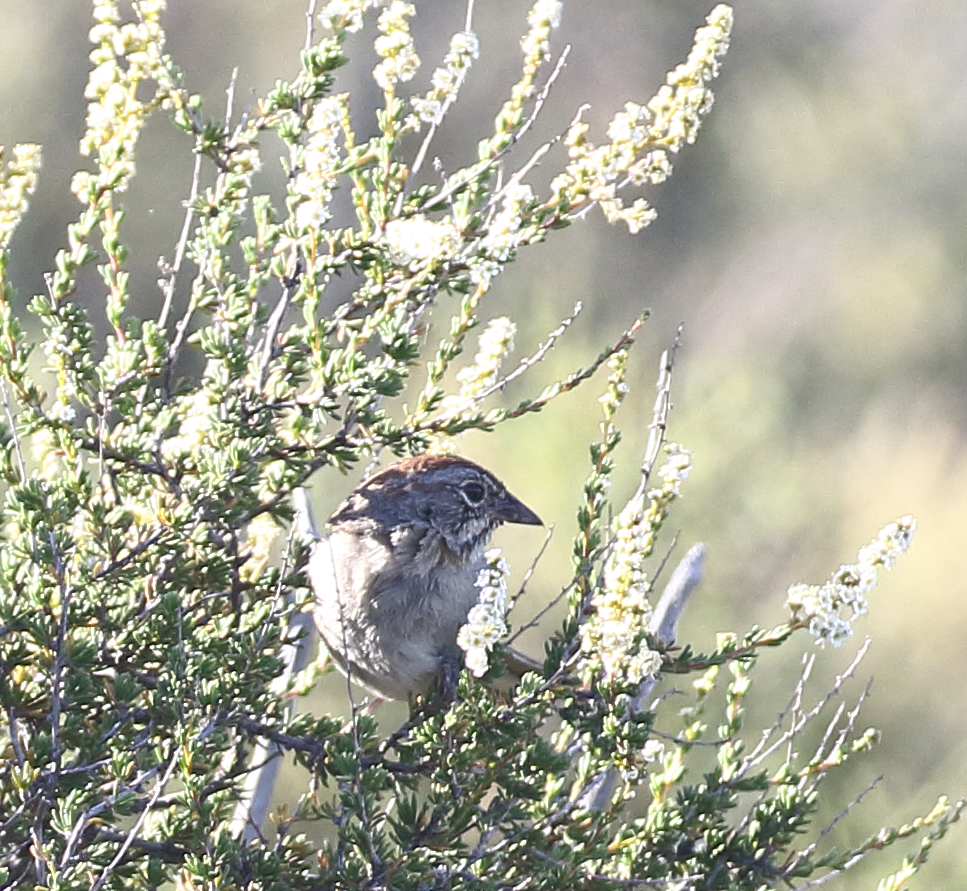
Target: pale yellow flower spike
{"type": "Point", "coordinates": [17, 182]}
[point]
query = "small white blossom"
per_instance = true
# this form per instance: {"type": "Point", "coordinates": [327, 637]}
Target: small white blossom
{"type": "Point", "coordinates": [346, 15]}
{"type": "Point", "coordinates": [17, 183]}
{"type": "Point", "coordinates": [448, 78]}
{"type": "Point", "coordinates": [503, 236]}
{"type": "Point", "coordinates": [613, 636]}
{"type": "Point", "coordinates": [483, 271]}
{"type": "Point", "coordinates": [503, 232]}
{"type": "Point", "coordinates": [654, 168]}
{"type": "Point", "coordinates": [676, 467]}
{"type": "Point", "coordinates": [486, 624]}
{"type": "Point", "coordinates": [395, 46]}
{"type": "Point", "coordinates": [668, 121]}
{"type": "Point", "coordinates": [421, 242]}
{"type": "Point", "coordinates": [313, 185]}
{"type": "Point", "coordinates": [892, 542]}
{"type": "Point", "coordinates": [544, 16]}
{"type": "Point", "coordinates": [628, 127]}
{"type": "Point", "coordinates": [679, 106]}
{"type": "Point", "coordinates": [617, 389]}
{"type": "Point", "coordinates": [636, 216]}
{"type": "Point", "coordinates": [494, 343]}
{"type": "Point", "coordinates": [62, 411]}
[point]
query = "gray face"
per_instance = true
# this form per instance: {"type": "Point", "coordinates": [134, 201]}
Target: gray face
{"type": "Point", "coordinates": [454, 497]}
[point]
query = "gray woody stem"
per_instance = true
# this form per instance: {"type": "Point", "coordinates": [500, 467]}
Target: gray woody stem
{"type": "Point", "coordinates": [253, 806]}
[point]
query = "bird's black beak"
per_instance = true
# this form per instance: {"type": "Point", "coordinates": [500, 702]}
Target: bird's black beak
{"type": "Point", "coordinates": [512, 510]}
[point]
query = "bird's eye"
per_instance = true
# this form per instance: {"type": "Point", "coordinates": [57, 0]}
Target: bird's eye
{"type": "Point", "coordinates": [473, 493]}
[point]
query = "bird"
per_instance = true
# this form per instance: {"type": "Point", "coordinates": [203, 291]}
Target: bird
{"type": "Point", "coordinates": [395, 577]}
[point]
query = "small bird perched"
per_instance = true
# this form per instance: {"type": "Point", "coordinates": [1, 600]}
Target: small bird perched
{"type": "Point", "coordinates": [395, 578]}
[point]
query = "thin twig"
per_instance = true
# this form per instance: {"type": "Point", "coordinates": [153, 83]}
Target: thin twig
{"type": "Point", "coordinates": [474, 172]}
{"type": "Point", "coordinates": [133, 832]}
{"type": "Point", "coordinates": [663, 404]}
{"type": "Point", "coordinates": [60, 655]}
{"type": "Point", "coordinates": [268, 345]}
{"type": "Point", "coordinates": [13, 429]}
{"type": "Point", "coordinates": [577, 377]}
{"type": "Point", "coordinates": [230, 97]}
{"type": "Point", "coordinates": [512, 602]}
{"type": "Point", "coordinates": [168, 283]}
{"type": "Point", "coordinates": [534, 622]}
{"type": "Point", "coordinates": [792, 707]}
{"type": "Point", "coordinates": [541, 352]}
{"type": "Point", "coordinates": [310, 25]}
{"type": "Point", "coordinates": [541, 98]}
{"type": "Point", "coordinates": [826, 830]}
{"type": "Point", "coordinates": [761, 755]}
{"type": "Point", "coordinates": [104, 804]}
{"type": "Point", "coordinates": [845, 731]}
{"type": "Point", "coordinates": [438, 119]}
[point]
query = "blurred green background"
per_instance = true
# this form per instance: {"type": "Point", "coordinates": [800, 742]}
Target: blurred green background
{"type": "Point", "coordinates": [812, 243]}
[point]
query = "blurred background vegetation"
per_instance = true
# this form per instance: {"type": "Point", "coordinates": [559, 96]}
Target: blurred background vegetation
{"type": "Point", "coordinates": [812, 243]}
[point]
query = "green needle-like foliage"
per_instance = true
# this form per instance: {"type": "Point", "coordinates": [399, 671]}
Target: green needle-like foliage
{"type": "Point", "coordinates": [145, 616]}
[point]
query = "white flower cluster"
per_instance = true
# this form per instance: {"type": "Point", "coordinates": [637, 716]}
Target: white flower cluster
{"type": "Point", "coordinates": [59, 352]}
{"type": "Point", "coordinates": [654, 168]}
{"type": "Point", "coordinates": [612, 638]}
{"type": "Point", "coordinates": [346, 15]}
{"type": "Point", "coordinates": [617, 389]}
{"type": "Point", "coordinates": [670, 119]}
{"type": "Point", "coordinates": [417, 241]}
{"type": "Point", "coordinates": [244, 162]}
{"type": "Point", "coordinates": [17, 182]}
{"type": "Point", "coordinates": [628, 132]}
{"type": "Point", "coordinates": [595, 171]}
{"type": "Point", "coordinates": [313, 185]}
{"type": "Point", "coordinates": [678, 107]}
{"type": "Point", "coordinates": [259, 537]}
{"type": "Point", "coordinates": [395, 46]}
{"type": "Point", "coordinates": [115, 115]}
{"type": "Point", "coordinates": [613, 635]}
{"type": "Point", "coordinates": [503, 234]}
{"type": "Point", "coordinates": [675, 469]}
{"type": "Point", "coordinates": [493, 344]}
{"type": "Point", "coordinates": [635, 764]}
{"type": "Point", "coordinates": [623, 575]}
{"type": "Point", "coordinates": [447, 79]}
{"type": "Point", "coordinates": [195, 415]}
{"type": "Point", "coordinates": [544, 16]}
{"type": "Point", "coordinates": [485, 622]}
{"type": "Point", "coordinates": [829, 609]}
{"type": "Point", "coordinates": [496, 341]}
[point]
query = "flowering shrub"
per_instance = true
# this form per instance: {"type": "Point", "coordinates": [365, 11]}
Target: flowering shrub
{"type": "Point", "coordinates": [150, 608]}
